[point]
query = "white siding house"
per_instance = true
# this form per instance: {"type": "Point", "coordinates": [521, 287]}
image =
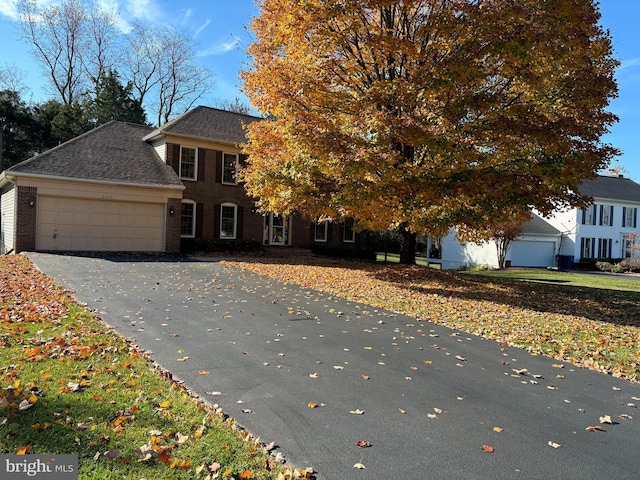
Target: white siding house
{"type": "Point", "coordinates": [599, 231]}
{"type": "Point", "coordinates": [7, 219]}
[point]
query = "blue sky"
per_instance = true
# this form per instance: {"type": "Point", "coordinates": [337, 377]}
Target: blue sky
{"type": "Point", "coordinates": [221, 29]}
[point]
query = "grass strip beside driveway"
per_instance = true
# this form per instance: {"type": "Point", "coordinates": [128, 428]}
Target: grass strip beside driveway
{"type": "Point", "coordinates": [70, 385]}
{"type": "Point", "coordinates": [596, 328]}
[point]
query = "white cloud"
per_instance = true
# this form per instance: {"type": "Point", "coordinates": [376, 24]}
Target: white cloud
{"type": "Point", "coordinates": [8, 9]}
{"type": "Point", "coordinates": [205, 25]}
{"type": "Point", "coordinates": [145, 9]}
{"type": "Point", "coordinates": [221, 47]}
{"type": "Point", "coordinates": [626, 64]}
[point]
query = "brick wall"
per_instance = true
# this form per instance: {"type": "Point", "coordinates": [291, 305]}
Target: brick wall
{"type": "Point", "coordinates": [26, 219]}
{"type": "Point", "coordinates": [172, 240]}
{"type": "Point", "coordinates": [210, 192]}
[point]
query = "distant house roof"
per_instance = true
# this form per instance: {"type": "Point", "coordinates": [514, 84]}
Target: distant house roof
{"type": "Point", "coordinates": [207, 123]}
{"type": "Point", "coordinates": [538, 226]}
{"type": "Point", "coordinates": [111, 152]}
{"type": "Point", "coordinates": [611, 188]}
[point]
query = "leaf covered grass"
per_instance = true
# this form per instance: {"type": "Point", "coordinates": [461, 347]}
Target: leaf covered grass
{"type": "Point", "coordinates": [596, 328]}
{"type": "Point", "coordinates": [69, 385]}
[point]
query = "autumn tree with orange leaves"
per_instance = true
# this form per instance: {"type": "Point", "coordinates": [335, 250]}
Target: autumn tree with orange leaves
{"type": "Point", "coordinates": [423, 115]}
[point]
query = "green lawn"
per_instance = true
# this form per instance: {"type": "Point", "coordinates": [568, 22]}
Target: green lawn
{"type": "Point", "coordinates": [574, 279]}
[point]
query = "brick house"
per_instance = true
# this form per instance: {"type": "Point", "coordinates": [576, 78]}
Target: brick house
{"type": "Point", "coordinates": [125, 187]}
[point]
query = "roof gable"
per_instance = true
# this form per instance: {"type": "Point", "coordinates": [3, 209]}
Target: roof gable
{"type": "Point", "coordinates": [611, 188]}
{"type": "Point", "coordinates": [207, 123]}
{"type": "Point", "coordinates": [538, 226]}
{"type": "Point", "coordinates": [111, 152]}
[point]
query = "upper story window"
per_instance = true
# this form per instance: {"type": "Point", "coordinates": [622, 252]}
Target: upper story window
{"type": "Point", "coordinates": [321, 231]}
{"type": "Point", "coordinates": [188, 163]}
{"type": "Point", "coordinates": [606, 215]}
{"type": "Point", "coordinates": [228, 220]}
{"type": "Point", "coordinates": [349, 233]}
{"type": "Point", "coordinates": [229, 168]}
{"type": "Point", "coordinates": [629, 217]}
{"type": "Point", "coordinates": [188, 219]}
{"type": "Point", "coordinates": [589, 216]}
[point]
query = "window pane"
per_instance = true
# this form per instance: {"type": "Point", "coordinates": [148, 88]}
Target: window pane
{"type": "Point", "coordinates": [188, 163]}
{"type": "Point", "coordinates": [321, 232]}
{"type": "Point", "coordinates": [187, 219]}
{"type": "Point", "coordinates": [229, 164]}
{"type": "Point", "coordinates": [228, 222]}
{"type": "Point", "coordinates": [349, 232]}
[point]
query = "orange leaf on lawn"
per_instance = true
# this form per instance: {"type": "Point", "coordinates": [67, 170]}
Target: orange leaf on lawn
{"type": "Point", "coordinates": [164, 456]}
{"type": "Point", "coordinates": [246, 474]}
{"type": "Point", "coordinates": [23, 450]}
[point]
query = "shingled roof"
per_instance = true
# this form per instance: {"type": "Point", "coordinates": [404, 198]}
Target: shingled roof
{"type": "Point", "coordinates": [208, 124]}
{"type": "Point", "coordinates": [611, 188]}
{"type": "Point", "coordinates": [538, 226]}
{"type": "Point", "coordinates": [111, 152]}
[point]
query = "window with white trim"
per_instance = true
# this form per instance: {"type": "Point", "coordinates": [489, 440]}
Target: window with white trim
{"type": "Point", "coordinates": [349, 235]}
{"type": "Point", "coordinates": [605, 247]}
{"type": "Point", "coordinates": [228, 220]}
{"type": "Point", "coordinates": [229, 168]}
{"type": "Point", "coordinates": [629, 217]}
{"type": "Point", "coordinates": [606, 215]}
{"type": "Point", "coordinates": [589, 216]}
{"type": "Point", "coordinates": [188, 219]}
{"type": "Point", "coordinates": [188, 163]}
{"type": "Point", "coordinates": [321, 231]}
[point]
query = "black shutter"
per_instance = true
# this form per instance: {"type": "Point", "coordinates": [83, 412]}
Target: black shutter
{"type": "Point", "coordinates": [624, 216]}
{"type": "Point", "coordinates": [610, 243]}
{"type": "Point", "coordinates": [218, 168]}
{"type": "Point", "coordinates": [216, 221]}
{"type": "Point", "coordinates": [329, 231]}
{"type": "Point", "coordinates": [601, 210]}
{"type": "Point", "coordinates": [199, 218]}
{"type": "Point", "coordinates": [593, 216]}
{"type": "Point", "coordinates": [635, 217]}
{"type": "Point", "coordinates": [201, 156]}
{"type": "Point", "coordinates": [175, 159]}
{"type": "Point", "coordinates": [593, 248]}
{"type": "Point", "coordinates": [582, 248]}
{"type": "Point", "coordinates": [239, 222]}
{"type": "Point", "coordinates": [611, 216]}
{"type": "Point", "coordinates": [600, 241]}
{"type": "Point", "coordinates": [242, 159]}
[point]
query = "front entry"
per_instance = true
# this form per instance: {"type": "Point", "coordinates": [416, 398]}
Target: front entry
{"type": "Point", "coordinates": [277, 230]}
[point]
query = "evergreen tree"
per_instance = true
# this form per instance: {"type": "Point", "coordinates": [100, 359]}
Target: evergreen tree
{"type": "Point", "coordinates": [18, 128]}
{"type": "Point", "coordinates": [113, 101]}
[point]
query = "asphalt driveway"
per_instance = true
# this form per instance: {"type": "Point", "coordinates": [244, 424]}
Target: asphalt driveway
{"type": "Point", "coordinates": [434, 399]}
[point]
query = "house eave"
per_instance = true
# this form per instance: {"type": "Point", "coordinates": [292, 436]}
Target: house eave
{"type": "Point", "coordinates": [121, 183]}
{"type": "Point", "coordinates": [153, 136]}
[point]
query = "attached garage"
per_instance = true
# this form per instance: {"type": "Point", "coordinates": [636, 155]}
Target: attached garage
{"type": "Point", "coordinates": [80, 224]}
{"type": "Point", "coordinates": [106, 190]}
{"type": "Point", "coordinates": [530, 253]}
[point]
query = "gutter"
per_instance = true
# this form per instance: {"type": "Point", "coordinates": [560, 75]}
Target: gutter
{"type": "Point", "coordinates": [120, 183]}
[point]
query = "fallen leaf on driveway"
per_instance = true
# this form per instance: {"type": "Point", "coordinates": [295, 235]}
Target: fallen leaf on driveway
{"type": "Point", "coordinates": [363, 443]}
{"type": "Point", "coordinates": [593, 428]}
{"type": "Point", "coordinates": [606, 419]}
{"type": "Point", "coordinates": [553, 444]}
{"type": "Point", "coordinates": [358, 465]}
{"type": "Point", "coordinates": [356, 412]}
{"type": "Point", "coordinates": [497, 429]}
{"type": "Point", "coordinates": [488, 448]}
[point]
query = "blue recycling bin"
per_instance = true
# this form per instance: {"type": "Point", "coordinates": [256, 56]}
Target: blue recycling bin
{"type": "Point", "coordinates": [565, 262]}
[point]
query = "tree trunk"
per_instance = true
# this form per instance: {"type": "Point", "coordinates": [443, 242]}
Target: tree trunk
{"type": "Point", "coordinates": [407, 246]}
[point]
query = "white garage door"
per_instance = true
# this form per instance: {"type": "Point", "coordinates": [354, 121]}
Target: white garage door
{"type": "Point", "coordinates": [532, 254]}
{"type": "Point", "coordinates": [99, 225]}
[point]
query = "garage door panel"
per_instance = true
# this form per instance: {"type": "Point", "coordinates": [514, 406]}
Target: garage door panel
{"type": "Point", "coordinates": [99, 225]}
{"type": "Point", "coordinates": [532, 254]}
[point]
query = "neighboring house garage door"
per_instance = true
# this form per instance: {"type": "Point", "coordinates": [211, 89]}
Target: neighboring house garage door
{"type": "Point", "coordinates": [532, 254]}
{"type": "Point", "coordinates": [98, 225]}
